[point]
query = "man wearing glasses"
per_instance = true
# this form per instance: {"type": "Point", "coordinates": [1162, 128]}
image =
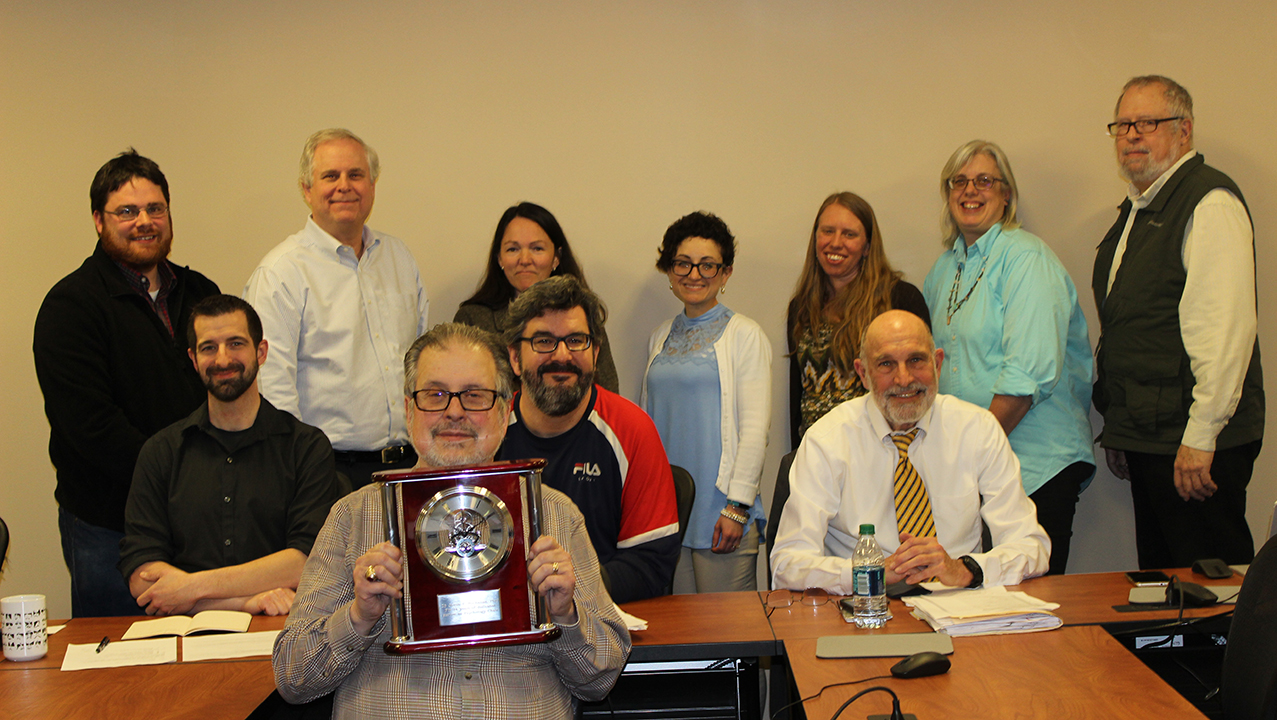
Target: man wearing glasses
{"type": "Point", "coordinates": [1180, 385]}
{"type": "Point", "coordinates": [113, 371]}
{"type": "Point", "coordinates": [457, 383]}
{"type": "Point", "coordinates": [341, 303]}
{"type": "Point", "coordinates": [601, 450]}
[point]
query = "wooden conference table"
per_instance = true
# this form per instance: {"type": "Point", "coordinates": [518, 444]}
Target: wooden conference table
{"type": "Point", "coordinates": [205, 689]}
{"type": "Point", "coordinates": [1077, 671]}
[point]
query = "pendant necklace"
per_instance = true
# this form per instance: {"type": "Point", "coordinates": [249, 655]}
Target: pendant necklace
{"type": "Point", "coordinates": [953, 292]}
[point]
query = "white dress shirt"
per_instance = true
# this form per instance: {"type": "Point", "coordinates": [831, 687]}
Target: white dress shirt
{"type": "Point", "coordinates": [842, 476]}
{"type": "Point", "coordinates": [338, 328]}
{"type": "Point", "coordinates": [1217, 317]}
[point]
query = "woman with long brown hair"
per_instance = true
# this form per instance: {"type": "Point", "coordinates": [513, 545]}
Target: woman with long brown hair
{"type": "Point", "coordinates": [529, 246]}
{"type": "Point", "coordinates": [846, 282]}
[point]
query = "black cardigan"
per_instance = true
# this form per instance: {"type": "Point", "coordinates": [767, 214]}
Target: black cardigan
{"type": "Point", "coordinates": [111, 377]}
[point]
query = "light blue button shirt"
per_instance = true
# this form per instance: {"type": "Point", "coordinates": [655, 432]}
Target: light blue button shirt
{"type": "Point", "coordinates": [1020, 332]}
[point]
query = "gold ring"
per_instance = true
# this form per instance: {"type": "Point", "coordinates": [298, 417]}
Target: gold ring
{"type": "Point", "coordinates": [371, 574]}
{"type": "Point", "coordinates": [554, 568]}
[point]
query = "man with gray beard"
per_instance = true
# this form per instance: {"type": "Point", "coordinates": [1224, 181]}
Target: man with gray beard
{"type": "Point", "coordinates": [1180, 384]}
{"type": "Point", "coordinates": [601, 450]}
{"type": "Point", "coordinates": [924, 468]}
{"type": "Point", "coordinates": [457, 387]}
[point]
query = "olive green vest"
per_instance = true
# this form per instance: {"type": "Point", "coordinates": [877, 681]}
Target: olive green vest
{"type": "Point", "coordinates": [1145, 384]}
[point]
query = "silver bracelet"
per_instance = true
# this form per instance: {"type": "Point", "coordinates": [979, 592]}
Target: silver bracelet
{"type": "Point", "coordinates": [734, 515]}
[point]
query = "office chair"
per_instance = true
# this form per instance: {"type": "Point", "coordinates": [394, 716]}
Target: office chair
{"type": "Point", "coordinates": [684, 494]}
{"type": "Point", "coordinates": [779, 496]}
{"type": "Point", "coordinates": [4, 545]}
{"type": "Point", "coordinates": [1248, 680]}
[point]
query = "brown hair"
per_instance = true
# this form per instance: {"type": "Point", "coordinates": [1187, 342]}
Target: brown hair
{"type": "Point", "coordinates": [856, 304]}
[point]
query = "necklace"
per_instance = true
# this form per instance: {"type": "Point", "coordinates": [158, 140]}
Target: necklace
{"type": "Point", "coordinates": [953, 292]}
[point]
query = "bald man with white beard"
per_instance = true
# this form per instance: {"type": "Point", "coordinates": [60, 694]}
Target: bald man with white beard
{"type": "Point", "coordinates": [845, 471]}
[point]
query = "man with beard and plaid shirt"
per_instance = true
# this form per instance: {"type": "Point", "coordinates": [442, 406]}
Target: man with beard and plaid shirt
{"type": "Point", "coordinates": [601, 450]}
{"type": "Point", "coordinates": [226, 503]}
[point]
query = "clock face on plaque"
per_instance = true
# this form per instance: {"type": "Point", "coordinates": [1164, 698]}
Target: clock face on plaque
{"type": "Point", "coordinates": [464, 533]}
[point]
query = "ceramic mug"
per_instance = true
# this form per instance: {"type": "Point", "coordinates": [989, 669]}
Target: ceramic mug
{"type": "Point", "coordinates": [26, 635]}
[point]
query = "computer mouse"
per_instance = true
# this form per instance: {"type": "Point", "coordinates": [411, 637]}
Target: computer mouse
{"type": "Point", "coordinates": [921, 665]}
{"type": "Point", "coordinates": [1213, 568]}
{"type": "Point", "coordinates": [1194, 595]}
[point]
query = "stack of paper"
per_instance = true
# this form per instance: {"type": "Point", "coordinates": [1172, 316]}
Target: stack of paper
{"type": "Point", "coordinates": [987, 611]}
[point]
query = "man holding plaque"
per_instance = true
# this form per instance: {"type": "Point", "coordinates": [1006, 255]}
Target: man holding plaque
{"type": "Point", "coordinates": [457, 386]}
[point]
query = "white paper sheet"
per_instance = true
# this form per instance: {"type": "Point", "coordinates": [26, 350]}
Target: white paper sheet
{"type": "Point", "coordinates": [213, 647]}
{"type": "Point", "coordinates": [121, 653]}
{"type": "Point", "coordinates": [958, 604]}
{"type": "Point", "coordinates": [633, 624]}
{"type": "Point", "coordinates": [987, 611]}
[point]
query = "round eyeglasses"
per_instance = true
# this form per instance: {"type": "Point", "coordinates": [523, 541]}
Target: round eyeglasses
{"type": "Point", "coordinates": [683, 268]}
{"type": "Point", "coordinates": [474, 400]}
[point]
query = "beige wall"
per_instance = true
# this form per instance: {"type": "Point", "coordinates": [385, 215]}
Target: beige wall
{"type": "Point", "coordinates": [619, 118]}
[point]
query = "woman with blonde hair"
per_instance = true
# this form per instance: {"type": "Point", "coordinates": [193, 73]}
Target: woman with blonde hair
{"type": "Point", "coordinates": [1013, 334]}
{"type": "Point", "coordinates": [846, 282]}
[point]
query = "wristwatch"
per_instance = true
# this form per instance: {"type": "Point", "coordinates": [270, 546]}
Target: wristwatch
{"type": "Point", "coordinates": [977, 575]}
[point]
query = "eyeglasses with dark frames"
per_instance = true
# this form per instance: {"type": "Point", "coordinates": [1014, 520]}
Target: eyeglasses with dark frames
{"type": "Point", "coordinates": [129, 213]}
{"type": "Point", "coordinates": [683, 268]}
{"type": "Point", "coordinates": [546, 344]}
{"type": "Point", "coordinates": [473, 400]}
{"type": "Point", "coordinates": [1144, 127]}
{"type": "Point", "coordinates": [981, 182]}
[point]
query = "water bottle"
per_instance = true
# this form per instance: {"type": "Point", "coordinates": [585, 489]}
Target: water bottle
{"type": "Point", "coordinates": [869, 585]}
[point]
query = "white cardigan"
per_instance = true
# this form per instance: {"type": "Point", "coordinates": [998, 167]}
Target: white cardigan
{"type": "Point", "coordinates": [744, 357]}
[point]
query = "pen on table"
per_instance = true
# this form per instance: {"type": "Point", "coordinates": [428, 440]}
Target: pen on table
{"type": "Point", "coordinates": [102, 645]}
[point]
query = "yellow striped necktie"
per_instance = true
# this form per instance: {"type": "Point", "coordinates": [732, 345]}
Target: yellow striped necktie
{"type": "Point", "coordinates": [913, 507]}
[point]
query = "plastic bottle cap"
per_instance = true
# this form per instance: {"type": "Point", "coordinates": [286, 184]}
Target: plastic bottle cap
{"type": "Point", "coordinates": [866, 529]}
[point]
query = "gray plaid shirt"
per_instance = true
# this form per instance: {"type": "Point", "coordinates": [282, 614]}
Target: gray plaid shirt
{"type": "Point", "coordinates": [319, 650]}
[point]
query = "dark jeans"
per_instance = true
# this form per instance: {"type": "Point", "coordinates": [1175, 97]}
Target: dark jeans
{"type": "Point", "coordinates": [1171, 532]}
{"type": "Point", "coordinates": [91, 554]}
{"type": "Point", "coordinates": [1057, 501]}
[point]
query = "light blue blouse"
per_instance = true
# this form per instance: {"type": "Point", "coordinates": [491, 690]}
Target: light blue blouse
{"type": "Point", "coordinates": [1013, 326]}
{"type": "Point", "coordinates": [684, 400]}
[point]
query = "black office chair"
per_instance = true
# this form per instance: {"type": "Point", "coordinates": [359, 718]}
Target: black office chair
{"type": "Point", "coordinates": [684, 495]}
{"type": "Point", "coordinates": [1248, 681]}
{"type": "Point", "coordinates": [4, 545]}
{"type": "Point", "coordinates": [779, 497]}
